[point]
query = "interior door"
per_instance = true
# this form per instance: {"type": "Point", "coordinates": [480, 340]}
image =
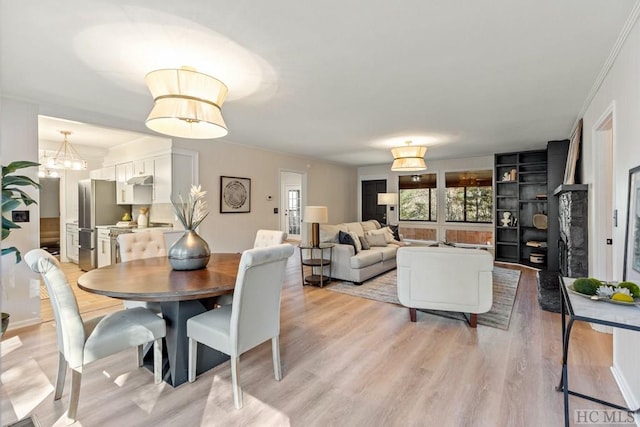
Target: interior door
{"type": "Point", "coordinates": [292, 211]}
{"type": "Point", "coordinates": [370, 207]}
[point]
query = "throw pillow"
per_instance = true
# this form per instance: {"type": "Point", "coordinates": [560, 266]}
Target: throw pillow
{"type": "Point", "coordinates": [395, 232]}
{"type": "Point", "coordinates": [376, 239]}
{"type": "Point", "coordinates": [356, 241]}
{"type": "Point", "coordinates": [376, 223]}
{"type": "Point", "coordinates": [368, 226]}
{"type": "Point", "coordinates": [386, 232]}
{"type": "Point", "coordinates": [364, 243]}
{"type": "Point", "coordinates": [345, 239]}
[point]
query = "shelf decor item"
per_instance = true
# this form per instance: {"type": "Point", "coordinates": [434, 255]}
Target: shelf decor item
{"type": "Point", "coordinates": [631, 270]}
{"type": "Point", "coordinates": [190, 252]}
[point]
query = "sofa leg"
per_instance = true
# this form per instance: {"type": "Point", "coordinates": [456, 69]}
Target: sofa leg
{"type": "Point", "coordinates": [473, 320]}
{"type": "Point", "coordinates": [412, 314]}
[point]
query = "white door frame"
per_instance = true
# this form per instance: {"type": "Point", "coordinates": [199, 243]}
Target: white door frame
{"type": "Point", "coordinates": [603, 136]}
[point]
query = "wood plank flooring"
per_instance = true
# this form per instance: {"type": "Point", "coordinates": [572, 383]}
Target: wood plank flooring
{"type": "Point", "coordinates": [346, 361]}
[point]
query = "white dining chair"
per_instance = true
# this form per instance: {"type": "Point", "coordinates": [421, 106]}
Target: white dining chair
{"type": "Point", "coordinates": [82, 342]}
{"type": "Point", "coordinates": [265, 238]}
{"type": "Point", "coordinates": [146, 244]}
{"type": "Point", "coordinates": [253, 318]}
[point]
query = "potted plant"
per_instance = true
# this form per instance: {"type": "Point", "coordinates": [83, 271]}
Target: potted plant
{"type": "Point", "coordinates": [12, 197]}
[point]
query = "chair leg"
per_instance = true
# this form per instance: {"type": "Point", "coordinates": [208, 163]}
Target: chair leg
{"type": "Point", "coordinates": [235, 381]}
{"type": "Point", "coordinates": [76, 379]}
{"type": "Point", "coordinates": [275, 350]}
{"type": "Point", "coordinates": [62, 372]}
{"type": "Point", "coordinates": [193, 359]}
{"type": "Point", "coordinates": [473, 320]}
{"type": "Point", "coordinates": [157, 361]}
{"type": "Point", "coordinates": [412, 314]}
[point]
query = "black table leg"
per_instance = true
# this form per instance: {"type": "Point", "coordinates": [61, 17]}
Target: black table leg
{"type": "Point", "coordinates": [175, 356]}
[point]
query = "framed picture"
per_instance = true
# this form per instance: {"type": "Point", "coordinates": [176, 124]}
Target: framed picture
{"type": "Point", "coordinates": [572, 156]}
{"type": "Point", "coordinates": [631, 270]}
{"type": "Point", "coordinates": [235, 194]}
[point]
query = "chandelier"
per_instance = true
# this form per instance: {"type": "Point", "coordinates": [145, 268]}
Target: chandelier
{"type": "Point", "coordinates": [187, 104]}
{"type": "Point", "coordinates": [65, 158]}
{"type": "Point", "coordinates": [409, 158]}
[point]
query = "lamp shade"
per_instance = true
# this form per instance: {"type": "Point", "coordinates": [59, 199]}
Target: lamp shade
{"type": "Point", "coordinates": [186, 104]}
{"type": "Point", "coordinates": [409, 158]}
{"type": "Point", "coordinates": [387, 198]}
{"type": "Point", "coordinates": [319, 214]}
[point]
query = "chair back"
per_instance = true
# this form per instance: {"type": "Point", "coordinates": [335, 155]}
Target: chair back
{"type": "Point", "coordinates": [450, 279]}
{"type": "Point", "coordinates": [69, 325]}
{"type": "Point", "coordinates": [266, 238]}
{"type": "Point", "coordinates": [147, 244]}
{"type": "Point", "coordinates": [255, 313]}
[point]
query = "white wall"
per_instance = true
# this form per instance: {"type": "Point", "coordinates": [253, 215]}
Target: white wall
{"type": "Point", "coordinates": [328, 184]}
{"type": "Point", "coordinates": [620, 88]}
{"type": "Point", "coordinates": [434, 166]}
{"type": "Point", "coordinates": [19, 141]}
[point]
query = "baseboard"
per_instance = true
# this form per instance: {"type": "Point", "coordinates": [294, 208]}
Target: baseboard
{"type": "Point", "coordinates": [630, 400]}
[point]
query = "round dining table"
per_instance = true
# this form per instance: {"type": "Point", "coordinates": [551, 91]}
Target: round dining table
{"type": "Point", "coordinates": [181, 294]}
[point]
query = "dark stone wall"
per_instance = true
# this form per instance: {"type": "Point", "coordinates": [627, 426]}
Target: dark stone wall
{"type": "Point", "coordinates": [574, 221]}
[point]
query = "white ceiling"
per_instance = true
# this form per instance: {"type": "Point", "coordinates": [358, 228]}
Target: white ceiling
{"type": "Point", "coordinates": [337, 80]}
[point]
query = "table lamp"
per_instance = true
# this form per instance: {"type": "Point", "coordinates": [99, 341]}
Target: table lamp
{"type": "Point", "coordinates": [316, 215]}
{"type": "Point", "coordinates": [388, 199]}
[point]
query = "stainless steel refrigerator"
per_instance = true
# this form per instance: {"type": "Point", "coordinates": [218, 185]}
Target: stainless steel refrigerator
{"type": "Point", "coordinates": [96, 206]}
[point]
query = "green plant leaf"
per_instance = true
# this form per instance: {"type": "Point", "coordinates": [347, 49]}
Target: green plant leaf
{"type": "Point", "coordinates": [11, 250]}
{"type": "Point", "coordinates": [9, 204]}
{"type": "Point", "coordinates": [20, 180]}
{"type": "Point", "coordinates": [22, 196]}
{"type": "Point", "coordinates": [14, 166]}
{"type": "Point", "coordinates": [8, 224]}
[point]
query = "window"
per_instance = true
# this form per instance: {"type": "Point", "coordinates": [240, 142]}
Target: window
{"type": "Point", "coordinates": [418, 197]}
{"type": "Point", "coordinates": [469, 196]}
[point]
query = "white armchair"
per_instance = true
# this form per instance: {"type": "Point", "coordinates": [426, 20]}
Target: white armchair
{"type": "Point", "coordinates": [265, 238]}
{"type": "Point", "coordinates": [447, 279]}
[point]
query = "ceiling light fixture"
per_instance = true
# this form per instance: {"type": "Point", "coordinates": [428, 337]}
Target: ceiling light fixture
{"type": "Point", "coordinates": [187, 104]}
{"type": "Point", "coordinates": [66, 157]}
{"type": "Point", "coordinates": [409, 158]}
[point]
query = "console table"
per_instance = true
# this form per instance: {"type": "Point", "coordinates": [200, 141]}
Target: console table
{"type": "Point", "coordinates": [580, 308]}
{"type": "Point", "coordinates": [317, 257]}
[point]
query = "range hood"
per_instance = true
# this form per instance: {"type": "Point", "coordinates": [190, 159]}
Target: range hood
{"type": "Point", "coordinates": [141, 180]}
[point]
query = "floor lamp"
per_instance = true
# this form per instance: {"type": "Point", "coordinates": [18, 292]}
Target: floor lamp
{"type": "Point", "coordinates": [388, 199]}
{"type": "Point", "coordinates": [316, 215]}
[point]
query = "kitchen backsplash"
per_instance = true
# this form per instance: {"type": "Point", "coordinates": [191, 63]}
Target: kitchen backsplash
{"type": "Point", "coordinates": [158, 212]}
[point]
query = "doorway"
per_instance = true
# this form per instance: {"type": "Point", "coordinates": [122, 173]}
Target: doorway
{"type": "Point", "coordinates": [604, 183]}
{"type": "Point", "coordinates": [291, 201]}
{"type": "Point", "coordinates": [370, 207]}
{"type": "Point", "coordinates": [50, 215]}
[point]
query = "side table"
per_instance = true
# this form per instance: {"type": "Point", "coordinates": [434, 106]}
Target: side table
{"type": "Point", "coordinates": [318, 258]}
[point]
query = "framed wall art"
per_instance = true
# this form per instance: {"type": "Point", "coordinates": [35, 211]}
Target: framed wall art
{"type": "Point", "coordinates": [631, 270]}
{"type": "Point", "coordinates": [235, 194]}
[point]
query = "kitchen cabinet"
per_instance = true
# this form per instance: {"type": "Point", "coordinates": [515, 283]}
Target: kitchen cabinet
{"type": "Point", "coordinates": [143, 167]}
{"type": "Point", "coordinates": [174, 175]}
{"type": "Point", "coordinates": [124, 191]}
{"type": "Point", "coordinates": [107, 173]}
{"type": "Point", "coordinates": [104, 247]}
{"type": "Point", "coordinates": [72, 242]}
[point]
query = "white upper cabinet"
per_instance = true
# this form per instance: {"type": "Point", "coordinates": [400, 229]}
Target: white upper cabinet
{"type": "Point", "coordinates": [107, 173]}
{"type": "Point", "coordinates": [174, 175]}
{"type": "Point", "coordinates": [124, 191]}
{"type": "Point", "coordinates": [143, 167]}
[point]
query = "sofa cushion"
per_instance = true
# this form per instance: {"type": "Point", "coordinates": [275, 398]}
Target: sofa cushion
{"type": "Point", "coordinates": [386, 232]}
{"type": "Point", "coordinates": [345, 238]}
{"type": "Point", "coordinates": [377, 224]}
{"type": "Point", "coordinates": [365, 259]}
{"type": "Point", "coordinates": [395, 231]}
{"type": "Point", "coordinates": [329, 233]}
{"type": "Point", "coordinates": [356, 241]}
{"type": "Point", "coordinates": [387, 252]}
{"type": "Point", "coordinates": [355, 226]}
{"type": "Point", "coordinates": [368, 226]}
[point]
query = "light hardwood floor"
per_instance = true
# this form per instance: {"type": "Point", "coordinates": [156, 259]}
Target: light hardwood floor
{"type": "Point", "coordinates": [346, 361]}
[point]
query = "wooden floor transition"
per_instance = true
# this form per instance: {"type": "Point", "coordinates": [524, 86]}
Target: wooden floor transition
{"type": "Point", "coordinates": [346, 361]}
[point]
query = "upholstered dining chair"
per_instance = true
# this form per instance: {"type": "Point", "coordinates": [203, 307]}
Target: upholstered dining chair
{"type": "Point", "coordinates": [253, 318]}
{"type": "Point", "coordinates": [82, 342]}
{"type": "Point", "coordinates": [265, 238]}
{"type": "Point", "coordinates": [146, 244]}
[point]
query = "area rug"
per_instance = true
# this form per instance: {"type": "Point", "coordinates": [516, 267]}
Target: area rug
{"type": "Point", "coordinates": [383, 288]}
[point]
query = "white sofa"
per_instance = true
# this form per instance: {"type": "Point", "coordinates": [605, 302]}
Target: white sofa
{"type": "Point", "coordinates": [448, 279]}
{"type": "Point", "coordinates": [355, 267]}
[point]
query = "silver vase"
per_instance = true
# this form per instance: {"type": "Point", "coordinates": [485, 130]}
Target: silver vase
{"type": "Point", "coordinates": [189, 252]}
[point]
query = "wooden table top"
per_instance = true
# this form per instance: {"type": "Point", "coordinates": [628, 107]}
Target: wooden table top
{"type": "Point", "coordinates": [153, 279]}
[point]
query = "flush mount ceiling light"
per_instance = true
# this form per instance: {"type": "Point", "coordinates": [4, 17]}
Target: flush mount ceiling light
{"type": "Point", "coordinates": [65, 158]}
{"type": "Point", "coordinates": [186, 104]}
{"type": "Point", "coordinates": [409, 158]}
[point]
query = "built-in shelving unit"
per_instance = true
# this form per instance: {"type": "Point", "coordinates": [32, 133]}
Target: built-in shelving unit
{"type": "Point", "coordinates": [521, 194]}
